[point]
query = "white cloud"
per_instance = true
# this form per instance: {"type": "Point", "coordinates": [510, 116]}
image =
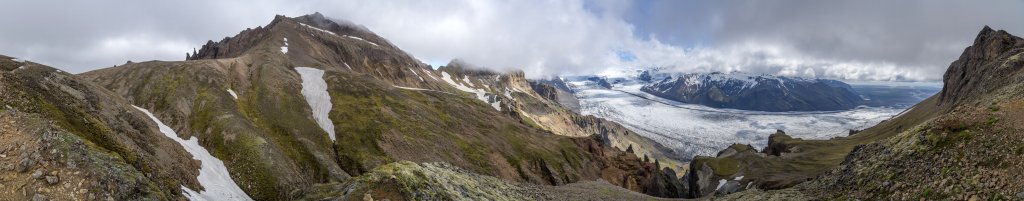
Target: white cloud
{"type": "Point", "coordinates": [540, 37]}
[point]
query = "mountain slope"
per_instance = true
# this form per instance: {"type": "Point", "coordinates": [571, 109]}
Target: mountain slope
{"type": "Point", "coordinates": [963, 143]}
{"type": "Point", "coordinates": [242, 98]}
{"type": "Point", "coordinates": [67, 139]}
{"type": "Point", "coordinates": [756, 92]}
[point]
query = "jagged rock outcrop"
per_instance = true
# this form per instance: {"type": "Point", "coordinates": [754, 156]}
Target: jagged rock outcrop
{"type": "Point", "coordinates": [756, 92]}
{"type": "Point", "coordinates": [983, 67]}
{"type": "Point", "coordinates": [645, 76]}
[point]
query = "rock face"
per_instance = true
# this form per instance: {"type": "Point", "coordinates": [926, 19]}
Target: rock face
{"type": "Point", "coordinates": [756, 92]}
{"type": "Point", "coordinates": [601, 81]}
{"type": "Point", "coordinates": [982, 67]}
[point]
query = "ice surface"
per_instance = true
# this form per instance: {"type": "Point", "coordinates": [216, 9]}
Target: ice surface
{"type": "Point", "coordinates": [695, 129]}
{"type": "Point", "coordinates": [720, 184]}
{"type": "Point", "coordinates": [233, 94]}
{"type": "Point", "coordinates": [314, 88]}
{"type": "Point", "coordinates": [213, 175]}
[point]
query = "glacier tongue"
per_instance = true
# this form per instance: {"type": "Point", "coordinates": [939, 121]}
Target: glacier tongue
{"type": "Point", "coordinates": [314, 88]}
{"type": "Point", "coordinates": [213, 175]}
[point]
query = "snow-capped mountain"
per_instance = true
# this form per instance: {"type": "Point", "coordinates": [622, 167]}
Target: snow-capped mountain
{"type": "Point", "coordinates": [756, 92]}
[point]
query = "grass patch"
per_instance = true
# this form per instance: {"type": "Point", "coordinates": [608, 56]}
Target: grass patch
{"type": "Point", "coordinates": [723, 167]}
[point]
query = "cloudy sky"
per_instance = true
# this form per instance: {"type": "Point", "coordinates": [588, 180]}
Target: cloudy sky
{"type": "Point", "coordinates": [913, 40]}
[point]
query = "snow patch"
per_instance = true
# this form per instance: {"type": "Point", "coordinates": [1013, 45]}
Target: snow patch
{"type": "Point", "coordinates": [18, 60]}
{"type": "Point", "coordinates": [496, 105]}
{"type": "Point", "coordinates": [284, 49]}
{"type": "Point", "coordinates": [358, 38]}
{"type": "Point", "coordinates": [720, 184]}
{"type": "Point", "coordinates": [347, 66]}
{"type": "Point", "coordinates": [420, 89]}
{"type": "Point", "coordinates": [233, 94]}
{"type": "Point", "coordinates": [314, 88]}
{"type": "Point", "coordinates": [318, 29]}
{"type": "Point", "coordinates": [213, 175]}
{"type": "Point", "coordinates": [465, 79]}
{"type": "Point", "coordinates": [417, 74]}
{"type": "Point", "coordinates": [480, 94]}
{"type": "Point", "coordinates": [738, 178]}
{"type": "Point", "coordinates": [507, 94]}
{"type": "Point", "coordinates": [430, 74]}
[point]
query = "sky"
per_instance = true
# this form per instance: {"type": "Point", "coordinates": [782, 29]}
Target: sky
{"type": "Point", "coordinates": [871, 40]}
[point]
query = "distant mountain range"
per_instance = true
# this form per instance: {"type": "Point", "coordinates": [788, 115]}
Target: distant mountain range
{"type": "Point", "coordinates": [755, 92]}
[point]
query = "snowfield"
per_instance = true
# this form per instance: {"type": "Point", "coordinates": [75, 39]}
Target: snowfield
{"type": "Point", "coordinates": [693, 129]}
{"type": "Point", "coordinates": [213, 175]}
{"type": "Point", "coordinates": [314, 88]}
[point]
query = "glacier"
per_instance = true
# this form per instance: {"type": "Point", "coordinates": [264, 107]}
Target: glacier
{"type": "Point", "coordinates": [692, 129]}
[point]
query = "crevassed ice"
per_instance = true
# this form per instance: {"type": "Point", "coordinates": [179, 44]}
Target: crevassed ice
{"type": "Point", "coordinates": [213, 175]}
{"type": "Point", "coordinates": [314, 88]}
{"type": "Point", "coordinates": [692, 129]}
{"type": "Point", "coordinates": [480, 93]}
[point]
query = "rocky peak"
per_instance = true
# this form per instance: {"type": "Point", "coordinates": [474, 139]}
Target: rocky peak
{"type": "Point", "coordinates": [991, 61]}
